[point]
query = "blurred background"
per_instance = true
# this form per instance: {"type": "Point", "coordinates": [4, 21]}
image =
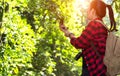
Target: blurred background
{"type": "Point", "coordinates": [31, 43]}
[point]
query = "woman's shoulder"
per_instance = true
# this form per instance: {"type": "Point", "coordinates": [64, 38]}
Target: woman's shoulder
{"type": "Point", "coordinates": [94, 24]}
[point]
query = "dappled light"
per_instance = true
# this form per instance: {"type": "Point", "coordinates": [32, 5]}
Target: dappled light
{"type": "Point", "coordinates": [80, 10]}
{"type": "Point", "coordinates": [81, 4]}
{"type": "Point", "coordinates": [31, 43]}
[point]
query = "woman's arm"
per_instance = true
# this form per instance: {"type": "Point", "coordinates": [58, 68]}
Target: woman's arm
{"type": "Point", "coordinates": [83, 41]}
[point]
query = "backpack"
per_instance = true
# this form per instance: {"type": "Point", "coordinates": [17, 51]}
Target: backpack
{"type": "Point", "coordinates": [112, 53]}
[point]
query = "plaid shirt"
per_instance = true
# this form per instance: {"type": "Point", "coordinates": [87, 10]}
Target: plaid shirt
{"type": "Point", "coordinates": [96, 33]}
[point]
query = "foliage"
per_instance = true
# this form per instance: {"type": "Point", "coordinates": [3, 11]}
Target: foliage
{"type": "Point", "coordinates": [31, 43]}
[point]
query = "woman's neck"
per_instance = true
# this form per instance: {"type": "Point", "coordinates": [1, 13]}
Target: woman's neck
{"type": "Point", "coordinates": [95, 17]}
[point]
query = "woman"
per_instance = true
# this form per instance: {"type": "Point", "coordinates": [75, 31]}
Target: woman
{"type": "Point", "coordinates": [94, 33]}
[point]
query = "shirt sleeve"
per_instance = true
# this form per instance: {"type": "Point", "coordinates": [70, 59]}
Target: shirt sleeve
{"type": "Point", "coordinates": [83, 41]}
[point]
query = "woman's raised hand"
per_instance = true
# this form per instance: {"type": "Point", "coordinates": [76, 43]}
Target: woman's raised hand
{"type": "Point", "coordinates": [62, 26]}
{"type": "Point", "coordinates": [64, 29]}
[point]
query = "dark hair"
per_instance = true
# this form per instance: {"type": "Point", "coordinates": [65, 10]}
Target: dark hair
{"type": "Point", "coordinates": [100, 7]}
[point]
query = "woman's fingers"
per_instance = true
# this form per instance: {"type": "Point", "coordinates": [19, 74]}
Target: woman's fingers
{"type": "Point", "coordinates": [61, 22]}
{"type": "Point", "coordinates": [63, 28]}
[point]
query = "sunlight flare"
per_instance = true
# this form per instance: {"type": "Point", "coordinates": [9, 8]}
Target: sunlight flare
{"type": "Point", "coordinates": [83, 4]}
{"type": "Point", "coordinates": [80, 6]}
{"type": "Point", "coordinates": [80, 9]}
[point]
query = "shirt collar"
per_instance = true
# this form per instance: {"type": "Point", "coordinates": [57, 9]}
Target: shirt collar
{"type": "Point", "coordinates": [98, 19]}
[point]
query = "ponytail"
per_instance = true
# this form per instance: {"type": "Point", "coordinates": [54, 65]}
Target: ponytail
{"type": "Point", "coordinates": [112, 20]}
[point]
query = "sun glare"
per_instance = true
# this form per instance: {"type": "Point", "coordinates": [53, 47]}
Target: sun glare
{"type": "Point", "coordinates": [83, 4]}
{"type": "Point", "coordinates": [80, 10]}
{"type": "Point", "coordinates": [80, 6]}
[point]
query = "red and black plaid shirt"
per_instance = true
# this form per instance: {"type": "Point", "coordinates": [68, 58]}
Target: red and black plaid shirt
{"type": "Point", "coordinates": [97, 33]}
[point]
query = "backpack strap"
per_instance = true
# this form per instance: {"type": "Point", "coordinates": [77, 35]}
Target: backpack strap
{"type": "Point", "coordinates": [92, 44]}
{"type": "Point", "coordinates": [103, 24]}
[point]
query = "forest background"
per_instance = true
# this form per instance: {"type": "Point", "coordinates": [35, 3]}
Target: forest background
{"type": "Point", "coordinates": [31, 43]}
